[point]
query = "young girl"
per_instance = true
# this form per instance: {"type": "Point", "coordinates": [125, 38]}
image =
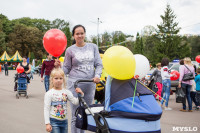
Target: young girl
{"type": "Point", "coordinates": [55, 103]}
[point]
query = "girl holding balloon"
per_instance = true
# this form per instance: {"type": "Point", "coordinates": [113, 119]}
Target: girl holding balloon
{"type": "Point", "coordinates": [166, 83]}
{"type": "Point", "coordinates": [82, 61]}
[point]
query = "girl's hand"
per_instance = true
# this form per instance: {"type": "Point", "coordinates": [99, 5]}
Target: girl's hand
{"type": "Point", "coordinates": [48, 127]}
{"type": "Point", "coordinates": [57, 63]}
{"type": "Point", "coordinates": [96, 80]}
{"type": "Point", "coordinates": [78, 90]}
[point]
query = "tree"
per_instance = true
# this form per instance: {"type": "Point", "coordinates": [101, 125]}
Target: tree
{"type": "Point", "coordinates": [118, 36]}
{"type": "Point", "coordinates": [194, 42]}
{"type": "Point", "coordinates": [26, 39]}
{"type": "Point", "coordinates": [63, 26]}
{"type": "Point", "coordinates": [106, 39]}
{"type": "Point", "coordinates": [169, 44]}
{"type": "Point", "coordinates": [138, 46]}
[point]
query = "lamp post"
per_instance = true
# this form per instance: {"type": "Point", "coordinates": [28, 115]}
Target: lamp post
{"type": "Point", "coordinates": [98, 22]}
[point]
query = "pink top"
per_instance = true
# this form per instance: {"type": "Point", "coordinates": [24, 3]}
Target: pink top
{"type": "Point", "coordinates": [184, 70]}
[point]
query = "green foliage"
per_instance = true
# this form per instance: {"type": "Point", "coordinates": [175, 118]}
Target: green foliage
{"type": "Point", "coordinates": [118, 36]}
{"type": "Point", "coordinates": [169, 44]}
{"type": "Point", "coordinates": [94, 39]}
{"type": "Point", "coordinates": [2, 42]}
{"type": "Point", "coordinates": [138, 45]}
{"type": "Point", "coordinates": [39, 62]}
{"type": "Point", "coordinates": [26, 39]}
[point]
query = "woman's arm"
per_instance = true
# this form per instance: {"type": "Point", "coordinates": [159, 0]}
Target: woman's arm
{"type": "Point", "coordinates": [97, 63]}
{"type": "Point", "coordinates": [29, 69]}
{"type": "Point", "coordinates": [67, 65]}
{"type": "Point", "coordinates": [153, 74]}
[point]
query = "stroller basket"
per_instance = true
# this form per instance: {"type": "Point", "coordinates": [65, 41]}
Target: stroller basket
{"type": "Point", "coordinates": [22, 84]}
{"type": "Point", "coordinates": [105, 122]}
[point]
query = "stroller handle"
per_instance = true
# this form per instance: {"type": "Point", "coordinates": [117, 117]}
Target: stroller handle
{"type": "Point", "coordinates": [84, 80]}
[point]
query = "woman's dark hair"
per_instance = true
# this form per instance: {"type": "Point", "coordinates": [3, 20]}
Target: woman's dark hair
{"type": "Point", "coordinates": [165, 62]}
{"type": "Point", "coordinates": [24, 57]}
{"type": "Point", "coordinates": [73, 31]}
{"type": "Point", "coordinates": [181, 62]}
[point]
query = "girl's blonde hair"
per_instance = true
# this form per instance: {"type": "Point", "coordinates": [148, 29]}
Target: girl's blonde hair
{"type": "Point", "coordinates": [158, 64]}
{"type": "Point", "coordinates": [53, 73]}
{"type": "Point", "coordinates": [187, 61]}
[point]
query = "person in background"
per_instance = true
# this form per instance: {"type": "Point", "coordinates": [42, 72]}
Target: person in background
{"type": "Point", "coordinates": [27, 68]}
{"type": "Point", "coordinates": [186, 85]}
{"type": "Point", "coordinates": [47, 66]}
{"type": "Point", "coordinates": [181, 62]}
{"type": "Point", "coordinates": [157, 79]}
{"type": "Point", "coordinates": [197, 81]}
{"type": "Point", "coordinates": [166, 83]}
{"type": "Point", "coordinates": [82, 61]}
{"type": "Point", "coordinates": [6, 68]}
{"type": "Point", "coordinates": [193, 94]}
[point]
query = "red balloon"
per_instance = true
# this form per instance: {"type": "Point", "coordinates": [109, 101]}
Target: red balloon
{"type": "Point", "coordinates": [177, 75]}
{"type": "Point", "coordinates": [20, 69]}
{"type": "Point", "coordinates": [55, 42]}
{"type": "Point", "coordinates": [198, 58]}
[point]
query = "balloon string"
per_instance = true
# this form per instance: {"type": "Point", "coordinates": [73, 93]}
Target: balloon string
{"type": "Point", "coordinates": [134, 93]}
{"type": "Point", "coordinates": [152, 91]}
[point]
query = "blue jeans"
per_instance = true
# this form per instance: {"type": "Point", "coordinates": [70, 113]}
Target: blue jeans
{"type": "Point", "coordinates": [166, 91]}
{"type": "Point", "coordinates": [187, 87]}
{"type": "Point", "coordinates": [46, 82]}
{"type": "Point", "coordinates": [59, 126]}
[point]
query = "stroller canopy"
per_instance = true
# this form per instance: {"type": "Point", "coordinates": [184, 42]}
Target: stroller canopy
{"type": "Point", "coordinates": [120, 100]}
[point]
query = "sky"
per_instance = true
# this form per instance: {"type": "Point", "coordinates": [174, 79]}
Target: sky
{"type": "Point", "coordinates": [128, 16]}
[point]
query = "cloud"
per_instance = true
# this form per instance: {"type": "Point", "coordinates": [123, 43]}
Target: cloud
{"type": "Point", "coordinates": [128, 16]}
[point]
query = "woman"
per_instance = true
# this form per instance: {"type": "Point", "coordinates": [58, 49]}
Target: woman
{"type": "Point", "coordinates": [166, 83]}
{"type": "Point", "coordinates": [157, 79]}
{"type": "Point", "coordinates": [186, 85]}
{"type": "Point", "coordinates": [82, 61]}
{"type": "Point", "coordinates": [27, 68]}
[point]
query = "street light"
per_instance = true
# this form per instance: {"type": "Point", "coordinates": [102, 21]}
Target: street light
{"type": "Point", "coordinates": [98, 22]}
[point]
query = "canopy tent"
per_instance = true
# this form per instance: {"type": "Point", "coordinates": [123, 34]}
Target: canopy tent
{"type": "Point", "coordinates": [5, 57]}
{"type": "Point", "coordinates": [16, 57]}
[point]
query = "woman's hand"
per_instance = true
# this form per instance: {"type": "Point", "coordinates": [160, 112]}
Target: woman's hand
{"type": "Point", "coordinates": [96, 79]}
{"type": "Point", "coordinates": [48, 127]}
{"type": "Point", "coordinates": [179, 85]}
{"type": "Point", "coordinates": [78, 90]}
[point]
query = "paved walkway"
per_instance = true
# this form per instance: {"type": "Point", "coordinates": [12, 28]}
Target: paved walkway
{"type": "Point", "coordinates": [26, 115]}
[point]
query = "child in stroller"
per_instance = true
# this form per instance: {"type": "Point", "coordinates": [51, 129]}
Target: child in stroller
{"type": "Point", "coordinates": [21, 81]}
{"type": "Point", "coordinates": [117, 115]}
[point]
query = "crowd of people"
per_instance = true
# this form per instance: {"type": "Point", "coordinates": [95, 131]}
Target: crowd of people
{"type": "Point", "coordinates": [191, 86]}
{"type": "Point", "coordinates": [83, 61]}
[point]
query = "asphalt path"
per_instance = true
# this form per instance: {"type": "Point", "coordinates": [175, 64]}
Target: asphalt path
{"type": "Point", "coordinates": [26, 115]}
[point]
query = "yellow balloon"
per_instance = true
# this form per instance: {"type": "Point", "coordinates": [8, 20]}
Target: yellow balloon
{"type": "Point", "coordinates": [62, 59]}
{"type": "Point", "coordinates": [119, 62]}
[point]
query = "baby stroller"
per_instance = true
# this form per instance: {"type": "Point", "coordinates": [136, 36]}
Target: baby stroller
{"type": "Point", "coordinates": [120, 114]}
{"type": "Point", "coordinates": [21, 80]}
